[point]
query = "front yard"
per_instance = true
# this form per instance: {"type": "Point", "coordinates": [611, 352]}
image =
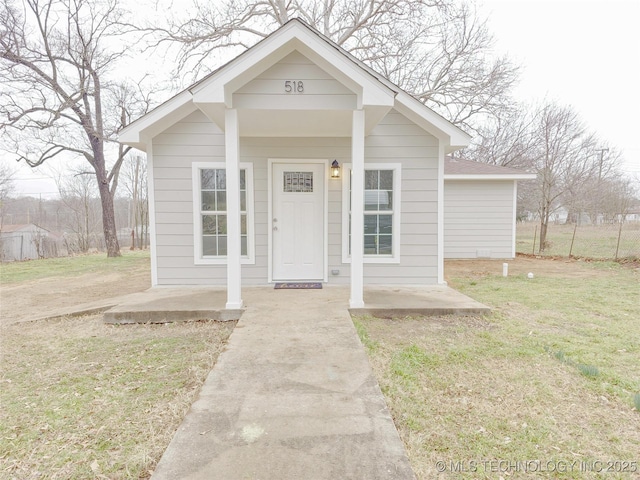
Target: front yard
{"type": "Point", "coordinates": [545, 387]}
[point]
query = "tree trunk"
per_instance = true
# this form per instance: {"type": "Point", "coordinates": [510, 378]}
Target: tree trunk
{"type": "Point", "coordinates": [544, 222]}
{"type": "Point", "coordinates": [109, 221]}
{"type": "Point", "coordinates": [108, 215]}
{"type": "Point", "coordinates": [106, 195]}
{"type": "Point", "coordinates": [543, 235]}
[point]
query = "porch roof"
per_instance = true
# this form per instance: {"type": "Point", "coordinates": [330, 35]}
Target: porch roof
{"type": "Point", "coordinates": [460, 169]}
{"type": "Point", "coordinates": [214, 94]}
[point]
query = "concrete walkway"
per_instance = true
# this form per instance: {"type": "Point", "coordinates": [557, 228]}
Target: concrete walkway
{"type": "Point", "coordinates": [291, 397]}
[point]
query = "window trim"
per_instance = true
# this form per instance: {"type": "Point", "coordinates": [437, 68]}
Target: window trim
{"type": "Point", "coordinates": [397, 203]}
{"type": "Point", "coordinates": [198, 258]}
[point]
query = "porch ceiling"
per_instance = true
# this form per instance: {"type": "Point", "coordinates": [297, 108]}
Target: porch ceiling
{"type": "Point", "coordinates": [295, 123]}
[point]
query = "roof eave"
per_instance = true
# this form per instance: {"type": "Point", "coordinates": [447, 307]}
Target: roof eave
{"type": "Point", "coordinates": [453, 137]}
{"type": "Point", "coordinates": [138, 133]}
{"type": "Point", "coordinates": [507, 176]}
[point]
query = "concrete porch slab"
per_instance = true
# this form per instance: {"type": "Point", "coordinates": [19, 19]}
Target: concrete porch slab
{"type": "Point", "coordinates": [172, 304]}
{"type": "Point", "coordinates": [177, 304]}
{"type": "Point", "coordinates": [393, 302]}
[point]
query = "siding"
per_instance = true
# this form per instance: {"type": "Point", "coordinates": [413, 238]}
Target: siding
{"type": "Point", "coordinates": [321, 91]}
{"type": "Point", "coordinates": [478, 219]}
{"type": "Point", "coordinates": [196, 139]}
{"type": "Point", "coordinates": [398, 140]}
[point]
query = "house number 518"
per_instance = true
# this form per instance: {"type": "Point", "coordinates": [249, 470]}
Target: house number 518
{"type": "Point", "coordinates": [294, 86]}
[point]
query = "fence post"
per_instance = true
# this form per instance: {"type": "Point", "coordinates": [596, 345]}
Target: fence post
{"type": "Point", "coordinates": [572, 239]}
{"type": "Point", "coordinates": [618, 244]}
{"type": "Point", "coordinates": [535, 236]}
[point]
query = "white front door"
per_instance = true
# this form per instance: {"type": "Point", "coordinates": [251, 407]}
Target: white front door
{"type": "Point", "coordinates": [298, 235]}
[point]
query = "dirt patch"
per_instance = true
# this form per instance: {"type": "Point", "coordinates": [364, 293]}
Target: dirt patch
{"type": "Point", "coordinates": [52, 296]}
{"type": "Point", "coordinates": [521, 265]}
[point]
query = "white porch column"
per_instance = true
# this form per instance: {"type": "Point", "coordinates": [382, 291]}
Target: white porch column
{"type": "Point", "coordinates": [357, 210]}
{"type": "Point", "coordinates": [232, 154]}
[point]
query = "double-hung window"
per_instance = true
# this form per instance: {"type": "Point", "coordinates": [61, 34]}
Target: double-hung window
{"type": "Point", "coordinates": [381, 213]}
{"type": "Point", "coordinates": [210, 213]}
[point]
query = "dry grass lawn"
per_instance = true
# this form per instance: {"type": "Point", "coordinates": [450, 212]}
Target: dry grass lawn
{"type": "Point", "coordinates": [542, 388]}
{"type": "Point", "coordinates": [81, 399]}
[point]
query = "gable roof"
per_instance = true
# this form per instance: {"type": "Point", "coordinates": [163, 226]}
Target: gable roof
{"type": "Point", "coordinates": [212, 94]}
{"type": "Point", "coordinates": [460, 169]}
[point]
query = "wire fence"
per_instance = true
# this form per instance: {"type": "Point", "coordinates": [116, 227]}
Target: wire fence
{"type": "Point", "coordinates": [31, 246]}
{"type": "Point", "coordinates": [604, 241]}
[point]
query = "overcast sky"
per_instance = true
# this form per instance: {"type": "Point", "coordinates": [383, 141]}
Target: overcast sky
{"type": "Point", "coordinates": [581, 53]}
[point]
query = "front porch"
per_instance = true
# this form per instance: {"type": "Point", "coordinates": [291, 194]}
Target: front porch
{"type": "Point", "coordinates": [178, 304]}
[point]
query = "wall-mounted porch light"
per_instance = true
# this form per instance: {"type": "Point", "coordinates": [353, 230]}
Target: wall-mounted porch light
{"type": "Point", "coordinates": [335, 169]}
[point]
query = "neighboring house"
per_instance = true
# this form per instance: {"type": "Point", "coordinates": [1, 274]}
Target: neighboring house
{"type": "Point", "coordinates": [26, 242]}
{"type": "Point", "coordinates": [241, 186]}
{"type": "Point", "coordinates": [480, 206]}
{"type": "Point", "coordinates": [632, 216]}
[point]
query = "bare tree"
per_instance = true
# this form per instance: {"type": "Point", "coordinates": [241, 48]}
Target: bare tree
{"type": "Point", "coordinates": [57, 96]}
{"type": "Point", "coordinates": [6, 188]}
{"type": "Point", "coordinates": [586, 179]}
{"type": "Point", "coordinates": [506, 140]}
{"type": "Point", "coordinates": [77, 193]}
{"type": "Point", "coordinates": [612, 199]}
{"type": "Point", "coordinates": [551, 140]}
{"type": "Point", "coordinates": [135, 182]}
{"type": "Point", "coordinates": [438, 50]}
{"type": "Point", "coordinates": [562, 158]}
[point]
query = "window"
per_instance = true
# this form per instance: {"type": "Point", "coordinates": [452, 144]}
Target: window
{"type": "Point", "coordinates": [378, 212]}
{"type": "Point", "coordinates": [210, 213]}
{"type": "Point", "coordinates": [381, 213]}
{"type": "Point", "coordinates": [297, 182]}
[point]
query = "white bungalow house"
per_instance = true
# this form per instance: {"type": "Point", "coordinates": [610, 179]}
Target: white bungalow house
{"type": "Point", "coordinates": [242, 188]}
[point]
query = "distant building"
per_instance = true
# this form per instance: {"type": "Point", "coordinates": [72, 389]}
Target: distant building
{"type": "Point", "coordinates": [27, 242]}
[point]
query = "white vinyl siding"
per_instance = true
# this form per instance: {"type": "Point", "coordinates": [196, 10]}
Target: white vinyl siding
{"type": "Point", "coordinates": [396, 139]}
{"type": "Point", "coordinates": [320, 91]}
{"type": "Point", "coordinates": [478, 219]}
{"type": "Point", "coordinates": [193, 139]}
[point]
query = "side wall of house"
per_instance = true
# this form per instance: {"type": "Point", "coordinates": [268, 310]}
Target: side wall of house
{"type": "Point", "coordinates": [478, 218]}
{"type": "Point", "coordinates": [196, 139]}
